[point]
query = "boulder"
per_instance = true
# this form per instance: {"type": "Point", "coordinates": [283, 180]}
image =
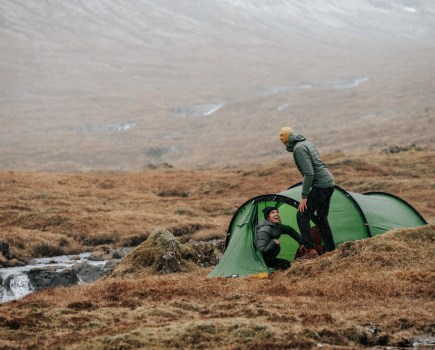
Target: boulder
{"type": "Point", "coordinates": [89, 273]}
{"type": "Point", "coordinates": [52, 277]}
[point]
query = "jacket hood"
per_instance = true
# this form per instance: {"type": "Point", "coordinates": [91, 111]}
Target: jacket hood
{"type": "Point", "coordinates": [293, 140]}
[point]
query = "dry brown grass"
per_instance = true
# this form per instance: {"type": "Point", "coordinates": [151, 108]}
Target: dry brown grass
{"type": "Point", "coordinates": [377, 291]}
{"type": "Point", "coordinates": [368, 293]}
{"type": "Point", "coordinates": [91, 210]}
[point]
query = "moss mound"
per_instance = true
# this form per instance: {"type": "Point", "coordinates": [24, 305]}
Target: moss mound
{"type": "Point", "coordinates": [161, 253]}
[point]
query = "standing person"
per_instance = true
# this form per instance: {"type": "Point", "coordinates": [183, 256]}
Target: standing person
{"type": "Point", "coordinates": [269, 231]}
{"type": "Point", "coordinates": [317, 188]}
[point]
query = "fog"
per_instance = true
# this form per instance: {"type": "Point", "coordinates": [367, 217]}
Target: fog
{"type": "Point", "coordinates": [121, 85]}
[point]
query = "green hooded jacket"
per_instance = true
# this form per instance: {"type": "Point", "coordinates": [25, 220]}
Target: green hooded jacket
{"type": "Point", "coordinates": [309, 164]}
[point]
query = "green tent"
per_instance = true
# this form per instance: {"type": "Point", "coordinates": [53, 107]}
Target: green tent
{"type": "Point", "coordinates": [352, 216]}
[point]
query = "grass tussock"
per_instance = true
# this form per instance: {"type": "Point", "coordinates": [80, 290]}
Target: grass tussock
{"type": "Point", "coordinates": [26, 244]}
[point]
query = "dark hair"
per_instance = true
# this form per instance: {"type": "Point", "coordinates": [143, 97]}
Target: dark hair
{"type": "Point", "coordinates": [267, 211]}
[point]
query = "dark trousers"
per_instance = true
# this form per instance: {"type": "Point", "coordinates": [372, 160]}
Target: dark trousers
{"type": "Point", "coordinates": [317, 210]}
{"type": "Point", "coordinates": [277, 263]}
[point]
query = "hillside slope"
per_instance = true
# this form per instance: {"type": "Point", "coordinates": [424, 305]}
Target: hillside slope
{"type": "Point", "coordinates": [111, 85]}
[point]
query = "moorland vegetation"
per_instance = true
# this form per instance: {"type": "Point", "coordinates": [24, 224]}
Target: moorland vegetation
{"type": "Point", "coordinates": [376, 292]}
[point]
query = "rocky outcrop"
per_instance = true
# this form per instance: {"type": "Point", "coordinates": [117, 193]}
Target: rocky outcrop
{"type": "Point", "coordinates": [208, 253]}
{"type": "Point", "coordinates": [162, 253]}
{"type": "Point", "coordinates": [51, 277]}
{"type": "Point", "coordinates": [88, 272]}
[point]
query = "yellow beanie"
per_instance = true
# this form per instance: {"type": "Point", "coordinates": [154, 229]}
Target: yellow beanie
{"type": "Point", "coordinates": [285, 134]}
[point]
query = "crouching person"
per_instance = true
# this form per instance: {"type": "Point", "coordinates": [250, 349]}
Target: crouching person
{"type": "Point", "coordinates": [269, 230]}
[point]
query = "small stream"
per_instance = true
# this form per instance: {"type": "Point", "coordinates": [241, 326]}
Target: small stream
{"type": "Point", "coordinates": [424, 342]}
{"type": "Point", "coordinates": [17, 282]}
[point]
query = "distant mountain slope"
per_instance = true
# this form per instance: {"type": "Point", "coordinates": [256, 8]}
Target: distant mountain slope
{"type": "Point", "coordinates": [120, 84]}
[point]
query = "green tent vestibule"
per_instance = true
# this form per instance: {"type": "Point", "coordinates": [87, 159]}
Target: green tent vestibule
{"type": "Point", "coordinates": [352, 216]}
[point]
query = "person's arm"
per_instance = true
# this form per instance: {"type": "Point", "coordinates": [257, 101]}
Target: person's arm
{"type": "Point", "coordinates": [264, 243]}
{"type": "Point", "coordinates": [292, 233]}
{"type": "Point", "coordinates": [303, 159]}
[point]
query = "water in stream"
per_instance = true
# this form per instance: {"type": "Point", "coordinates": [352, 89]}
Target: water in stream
{"type": "Point", "coordinates": [17, 282]}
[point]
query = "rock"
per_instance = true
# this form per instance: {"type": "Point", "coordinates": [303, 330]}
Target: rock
{"type": "Point", "coordinates": [208, 253]}
{"type": "Point", "coordinates": [14, 286]}
{"type": "Point", "coordinates": [7, 256]}
{"type": "Point", "coordinates": [74, 257]}
{"type": "Point", "coordinates": [397, 149]}
{"type": "Point", "coordinates": [5, 250]}
{"type": "Point", "coordinates": [88, 273]}
{"type": "Point", "coordinates": [96, 256]}
{"type": "Point", "coordinates": [11, 263]}
{"type": "Point", "coordinates": [65, 271]}
{"type": "Point", "coordinates": [111, 254]}
{"type": "Point", "coordinates": [52, 277]}
{"type": "Point", "coordinates": [110, 264]}
{"type": "Point", "coordinates": [169, 263]}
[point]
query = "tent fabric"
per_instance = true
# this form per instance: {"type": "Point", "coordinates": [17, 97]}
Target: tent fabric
{"type": "Point", "coordinates": [345, 216]}
{"type": "Point", "coordinates": [385, 211]}
{"type": "Point", "coordinates": [241, 256]}
{"type": "Point", "coordinates": [352, 216]}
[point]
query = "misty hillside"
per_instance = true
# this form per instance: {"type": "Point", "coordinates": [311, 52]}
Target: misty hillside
{"type": "Point", "coordinates": [119, 85]}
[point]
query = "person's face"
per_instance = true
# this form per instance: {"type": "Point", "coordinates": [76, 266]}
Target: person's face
{"type": "Point", "coordinates": [274, 216]}
{"type": "Point", "coordinates": [283, 138]}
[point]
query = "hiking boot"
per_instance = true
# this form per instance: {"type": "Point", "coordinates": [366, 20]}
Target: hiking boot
{"type": "Point", "coordinates": [310, 254]}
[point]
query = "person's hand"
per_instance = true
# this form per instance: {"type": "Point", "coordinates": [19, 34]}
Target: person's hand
{"type": "Point", "coordinates": [276, 241]}
{"type": "Point", "coordinates": [302, 205]}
